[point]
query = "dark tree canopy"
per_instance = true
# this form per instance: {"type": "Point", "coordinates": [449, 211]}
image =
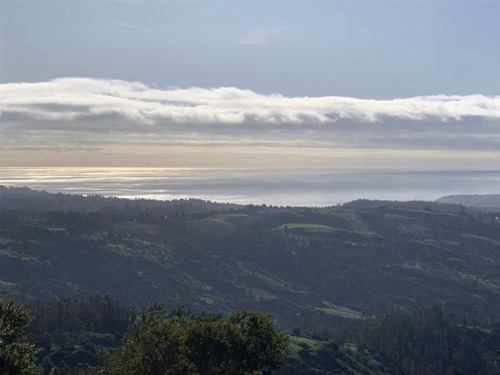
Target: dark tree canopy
{"type": "Point", "coordinates": [245, 342]}
{"type": "Point", "coordinates": [17, 356]}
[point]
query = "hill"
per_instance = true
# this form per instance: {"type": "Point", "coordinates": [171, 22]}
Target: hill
{"type": "Point", "coordinates": [310, 267]}
{"type": "Point", "coordinates": [23, 198]}
{"type": "Point", "coordinates": [489, 202]}
{"type": "Point", "coordinates": [72, 335]}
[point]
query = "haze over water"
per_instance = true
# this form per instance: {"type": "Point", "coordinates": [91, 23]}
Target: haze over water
{"type": "Point", "coordinates": [302, 187]}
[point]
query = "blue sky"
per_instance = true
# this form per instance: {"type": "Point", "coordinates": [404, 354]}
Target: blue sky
{"type": "Point", "coordinates": [382, 84]}
{"type": "Point", "coordinates": [368, 49]}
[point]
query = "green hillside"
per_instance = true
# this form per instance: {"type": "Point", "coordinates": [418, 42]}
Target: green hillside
{"type": "Point", "coordinates": [310, 267]}
{"type": "Point", "coordinates": [68, 336]}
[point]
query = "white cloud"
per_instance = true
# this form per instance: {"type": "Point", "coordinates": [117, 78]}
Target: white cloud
{"type": "Point", "coordinates": [260, 35]}
{"type": "Point", "coordinates": [67, 99]}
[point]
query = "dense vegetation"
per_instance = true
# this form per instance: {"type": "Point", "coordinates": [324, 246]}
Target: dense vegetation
{"type": "Point", "coordinates": [17, 355]}
{"type": "Point", "coordinates": [156, 343]}
{"type": "Point", "coordinates": [426, 342]}
{"type": "Point", "coordinates": [244, 342]}
{"type": "Point", "coordinates": [69, 332]}
{"type": "Point", "coordinates": [483, 202]}
{"type": "Point", "coordinates": [314, 269]}
{"type": "Point", "coordinates": [99, 336]}
{"type": "Point", "coordinates": [310, 267]}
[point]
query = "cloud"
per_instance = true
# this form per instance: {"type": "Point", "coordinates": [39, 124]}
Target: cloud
{"type": "Point", "coordinates": [129, 120]}
{"type": "Point", "coordinates": [68, 99]}
{"type": "Point", "coordinates": [261, 35]}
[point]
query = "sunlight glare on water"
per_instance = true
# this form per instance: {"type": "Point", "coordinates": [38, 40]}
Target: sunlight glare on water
{"type": "Point", "coordinates": [315, 187]}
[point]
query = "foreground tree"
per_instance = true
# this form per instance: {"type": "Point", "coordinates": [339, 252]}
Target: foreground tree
{"type": "Point", "coordinates": [17, 356]}
{"type": "Point", "coordinates": [243, 343]}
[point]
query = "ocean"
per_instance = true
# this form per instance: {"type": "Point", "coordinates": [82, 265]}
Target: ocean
{"type": "Point", "coordinates": [282, 187]}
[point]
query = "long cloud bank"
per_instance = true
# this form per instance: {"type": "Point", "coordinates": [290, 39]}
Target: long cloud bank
{"type": "Point", "coordinates": [67, 99]}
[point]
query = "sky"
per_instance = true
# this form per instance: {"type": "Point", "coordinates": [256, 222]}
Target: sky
{"type": "Point", "coordinates": [356, 84]}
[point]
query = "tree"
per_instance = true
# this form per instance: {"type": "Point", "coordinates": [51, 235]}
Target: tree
{"type": "Point", "coordinates": [17, 356]}
{"type": "Point", "coordinates": [243, 343]}
{"type": "Point", "coordinates": [154, 345]}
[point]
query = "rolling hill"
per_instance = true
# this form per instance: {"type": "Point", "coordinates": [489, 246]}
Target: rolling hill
{"type": "Point", "coordinates": [310, 267]}
{"type": "Point", "coordinates": [486, 202]}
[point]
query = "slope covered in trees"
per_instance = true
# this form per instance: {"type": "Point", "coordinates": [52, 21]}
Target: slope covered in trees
{"type": "Point", "coordinates": [99, 336]}
{"type": "Point", "coordinates": [484, 202]}
{"type": "Point", "coordinates": [156, 343]}
{"type": "Point", "coordinates": [310, 267]}
{"type": "Point", "coordinates": [426, 342]}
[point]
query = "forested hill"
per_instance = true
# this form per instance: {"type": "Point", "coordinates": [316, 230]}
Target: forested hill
{"type": "Point", "coordinates": [68, 336]}
{"type": "Point", "coordinates": [487, 202]}
{"type": "Point", "coordinates": [23, 198]}
{"type": "Point", "coordinates": [311, 267]}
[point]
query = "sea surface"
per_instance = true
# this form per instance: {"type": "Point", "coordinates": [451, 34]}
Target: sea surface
{"type": "Point", "coordinates": [297, 187]}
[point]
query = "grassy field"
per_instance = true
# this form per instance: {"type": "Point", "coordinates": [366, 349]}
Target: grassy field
{"type": "Point", "coordinates": [308, 227]}
{"type": "Point", "coordinates": [227, 217]}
